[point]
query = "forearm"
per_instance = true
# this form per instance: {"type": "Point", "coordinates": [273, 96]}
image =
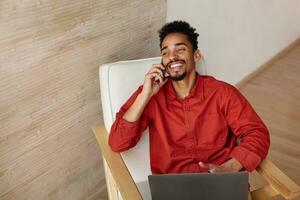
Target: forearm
{"type": "Point", "coordinates": [136, 109]}
{"type": "Point", "coordinates": [126, 130]}
{"type": "Point", "coordinates": [135, 115]}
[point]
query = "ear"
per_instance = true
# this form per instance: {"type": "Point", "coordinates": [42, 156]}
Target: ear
{"type": "Point", "coordinates": [197, 55]}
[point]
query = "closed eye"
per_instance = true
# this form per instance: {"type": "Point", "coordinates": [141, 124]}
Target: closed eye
{"type": "Point", "coordinates": [164, 52]}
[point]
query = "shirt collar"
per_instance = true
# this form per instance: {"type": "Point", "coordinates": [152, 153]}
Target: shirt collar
{"type": "Point", "coordinates": [197, 90]}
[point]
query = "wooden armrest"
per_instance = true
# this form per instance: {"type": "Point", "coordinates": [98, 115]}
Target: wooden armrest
{"type": "Point", "coordinates": [118, 169]}
{"type": "Point", "coordinates": [278, 180]}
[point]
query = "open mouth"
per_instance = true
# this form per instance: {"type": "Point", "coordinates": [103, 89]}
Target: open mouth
{"type": "Point", "coordinates": [176, 64]}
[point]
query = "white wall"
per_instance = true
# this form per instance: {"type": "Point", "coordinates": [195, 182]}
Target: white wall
{"type": "Point", "coordinates": [238, 36]}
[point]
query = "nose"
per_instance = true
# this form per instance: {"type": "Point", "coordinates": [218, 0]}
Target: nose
{"type": "Point", "coordinates": [173, 56]}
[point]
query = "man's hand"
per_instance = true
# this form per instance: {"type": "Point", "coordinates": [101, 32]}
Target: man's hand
{"type": "Point", "coordinates": [152, 84]}
{"type": "Point", "coordinates": [231, 165]}
{"type": "Point", "coordinates": [153, 80]}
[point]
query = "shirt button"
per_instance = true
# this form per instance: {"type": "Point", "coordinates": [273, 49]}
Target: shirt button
{"type": "Point", "coordinates": [187, 108]}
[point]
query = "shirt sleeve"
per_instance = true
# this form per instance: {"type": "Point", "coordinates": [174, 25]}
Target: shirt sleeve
{"type": "Point", "coordinates": [247, 125]}
{"type": "Point", "coordinates": [124, 134]}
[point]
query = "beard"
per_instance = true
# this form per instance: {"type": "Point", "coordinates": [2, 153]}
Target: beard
{"type": "Point", "coordinates": [178, 77]}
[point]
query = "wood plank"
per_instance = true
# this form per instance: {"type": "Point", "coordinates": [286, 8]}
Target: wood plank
{"type": "Point", "coordinates": [265, 193]}
{"type": "Point", "coordinates": [118, 169]}
{"type": "Point", "coordinates": [280, 182]}
{"type": "Point", "coordinates": [269, 63]}
{"type": "Point", "coordinates": [110, 183]}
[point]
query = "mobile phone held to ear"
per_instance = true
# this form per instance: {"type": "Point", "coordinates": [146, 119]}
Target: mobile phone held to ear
{"type": "Point", "coordinates": [165, 73]}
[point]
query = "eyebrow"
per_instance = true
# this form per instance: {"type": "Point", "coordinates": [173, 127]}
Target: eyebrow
{"type": "Point", "coordinates": [177, 44]}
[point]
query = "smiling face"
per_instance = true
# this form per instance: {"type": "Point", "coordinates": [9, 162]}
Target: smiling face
{"type": "Point", "coordinates": [178, 56]}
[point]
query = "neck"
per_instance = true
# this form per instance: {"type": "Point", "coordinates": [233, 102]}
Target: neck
{"type": "Point", "coordinates": [185, 86]}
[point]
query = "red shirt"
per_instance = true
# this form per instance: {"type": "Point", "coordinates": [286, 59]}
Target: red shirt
{"type": "Point", "coordinates": [203, 126]}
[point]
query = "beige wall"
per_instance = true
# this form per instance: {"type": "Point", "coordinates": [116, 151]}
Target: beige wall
{"type": "Point", "coordinates": [50, 51]}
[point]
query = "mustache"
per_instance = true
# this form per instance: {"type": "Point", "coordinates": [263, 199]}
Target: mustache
{"type": "Point", "coordinates": [174, 61]}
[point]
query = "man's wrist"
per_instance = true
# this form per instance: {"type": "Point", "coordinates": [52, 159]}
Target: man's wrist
{"type": "Point", "coordinates": [144, 97]}
{"type": "Point", "coordinates": [235, 165]}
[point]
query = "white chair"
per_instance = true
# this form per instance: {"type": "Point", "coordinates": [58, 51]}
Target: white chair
{"type": "Point", "coordinates": [126, 173]}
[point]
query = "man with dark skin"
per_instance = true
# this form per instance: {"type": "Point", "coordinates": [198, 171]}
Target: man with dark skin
{"type": "Point", "coordinates": [196, 144]}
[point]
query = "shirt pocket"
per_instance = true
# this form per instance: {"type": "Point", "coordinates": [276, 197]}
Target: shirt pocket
{"type": "Point", "coordinates": [211, 130]}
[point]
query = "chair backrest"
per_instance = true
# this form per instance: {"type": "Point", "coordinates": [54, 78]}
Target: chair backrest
{"type": "Point", "coordinates": [118, 81]}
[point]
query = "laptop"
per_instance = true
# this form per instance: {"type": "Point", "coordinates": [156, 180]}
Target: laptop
{"type": "Point", "coordinates": [199, 186]}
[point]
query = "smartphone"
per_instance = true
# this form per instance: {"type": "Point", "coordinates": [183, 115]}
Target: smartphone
{"type": "Point", "coordinates": [165, 73]}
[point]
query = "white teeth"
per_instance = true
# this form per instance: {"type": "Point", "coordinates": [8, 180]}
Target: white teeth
{"type": "Point", "coordinates": [176, 65]}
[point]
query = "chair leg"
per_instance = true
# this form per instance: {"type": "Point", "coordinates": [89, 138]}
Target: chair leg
{"type": "Point", "coordinates": [110, 183]}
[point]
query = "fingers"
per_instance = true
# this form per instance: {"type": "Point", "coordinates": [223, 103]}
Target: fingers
{"type": "Point", "coordinates": [203, 165]}
{"type": "Point", "coordinates": [211, 167]}
{"type": "Point", "coordinates": [159, 66]}
{"type": "Point", "coordinates": [156, 73]}
{"type": "Point", "coordinates": [161, 83]}
{"type": "Point", "coordinates": [156, 76]}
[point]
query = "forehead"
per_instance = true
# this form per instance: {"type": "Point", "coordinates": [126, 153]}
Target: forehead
{"type": "Point", "coordinates": [175, 38]}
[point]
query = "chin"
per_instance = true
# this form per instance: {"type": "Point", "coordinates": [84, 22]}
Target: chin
{"type": "Point", "coordinates": [178, 77]}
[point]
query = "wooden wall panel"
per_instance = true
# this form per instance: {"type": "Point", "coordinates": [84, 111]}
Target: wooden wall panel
{"type": "Point", "coordinates": [50, 51]}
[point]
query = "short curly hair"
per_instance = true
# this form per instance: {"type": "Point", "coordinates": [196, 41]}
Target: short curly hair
{"type": "Point", "coordinates": [179, 27]}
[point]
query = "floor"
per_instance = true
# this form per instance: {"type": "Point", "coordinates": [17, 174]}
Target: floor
{"type": "Point", "coordinates": [275, 95]}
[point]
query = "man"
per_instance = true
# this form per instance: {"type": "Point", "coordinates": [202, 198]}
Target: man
{"type": "Point", "coordinates": [194, 121]}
